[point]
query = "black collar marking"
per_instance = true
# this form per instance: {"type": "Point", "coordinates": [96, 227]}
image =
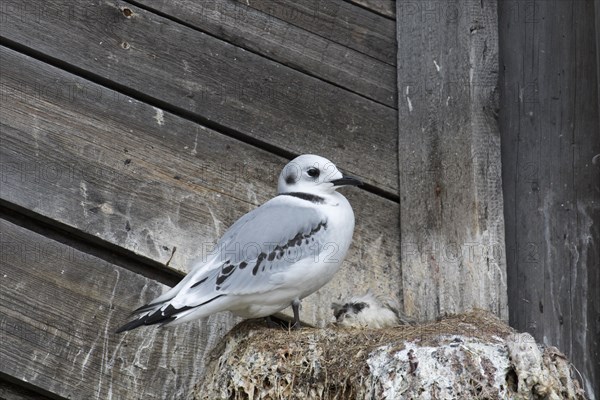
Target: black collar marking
{"type": "Point", "coordinates": [305, 196]}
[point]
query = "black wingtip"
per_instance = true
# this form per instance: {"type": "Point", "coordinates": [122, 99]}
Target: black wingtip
{"type": "Point", "coordinates": [160, 316]}
{"type": "Point", "coordinates": [157, 317]}
{"type": "Point", "coordinates": [131, 325]}
{"type": "Point", "coordinates": [138, 321]}
{"type": "Point", "coordinates": [148, 307]}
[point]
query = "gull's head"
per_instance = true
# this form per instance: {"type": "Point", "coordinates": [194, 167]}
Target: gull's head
{"type": "Point", "coordinates": [309, 173]}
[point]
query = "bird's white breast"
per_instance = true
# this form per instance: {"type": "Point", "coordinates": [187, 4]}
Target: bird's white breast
{"type": "Point", "coordinates": [315, 272]}
{"type": "Point", "coordinates": [311, 273]}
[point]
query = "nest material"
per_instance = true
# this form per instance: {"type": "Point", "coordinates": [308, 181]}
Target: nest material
{"type": "Point", "coordinates": [468, 356]}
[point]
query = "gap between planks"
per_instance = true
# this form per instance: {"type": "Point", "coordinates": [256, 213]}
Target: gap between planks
{"type": "Point", "coordinates": [178, 111]}
{"type": "Point", "coordinates": [364, 6]}
{"type": "Point", "coordinates": [250, 50]}
{"type": "Point", "coordinates": [24, 390]}
{"type": "Point", "coordinates": [88, 243]}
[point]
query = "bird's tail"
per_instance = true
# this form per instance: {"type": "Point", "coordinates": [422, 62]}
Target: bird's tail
{"type": "Point", "coordinates": [164, 312]}
{"type": "Point", "coordinates": [150, 314]}
{"type": "Point", "coordinates": [172, 306]}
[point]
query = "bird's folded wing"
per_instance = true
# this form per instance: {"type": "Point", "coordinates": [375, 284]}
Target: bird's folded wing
{"type": "Point", "coordinates": [256, 252]}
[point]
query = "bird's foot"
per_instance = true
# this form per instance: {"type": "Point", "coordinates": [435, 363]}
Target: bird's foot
{"type": "Point", "coordinates": [296, 326]}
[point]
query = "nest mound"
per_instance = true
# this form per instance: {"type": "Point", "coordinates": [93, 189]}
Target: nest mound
{"type": "Point", "coordinates": [467, 356]}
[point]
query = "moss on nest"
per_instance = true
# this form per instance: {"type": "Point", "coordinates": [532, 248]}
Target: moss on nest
{"type": "Point", "coordinates": [254, 362]}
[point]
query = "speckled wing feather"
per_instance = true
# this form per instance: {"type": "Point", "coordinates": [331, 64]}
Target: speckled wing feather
{"type": "Point", "coordinates": [259, 246]}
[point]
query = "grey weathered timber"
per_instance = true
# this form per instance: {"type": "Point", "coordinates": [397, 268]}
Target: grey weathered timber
{"type": "Point", "coordinates": [338, 21]}
{"type": "Point", "coordinates": [148, 181]}
{"type": "Point", "coordinates": [288, 44]}
{"type": "Point", "coordinates": [383, 7]}
{"type": "Point", "coordinates": [451, 220]}
{"type": "Point", "coordinates": [597, 13]}
{"type": "Point", "coordinates": [551, 169]}
{"type": "Point", "coordinates": [211, 80]}
{"type": "Point", "coordinates": [58, 311]}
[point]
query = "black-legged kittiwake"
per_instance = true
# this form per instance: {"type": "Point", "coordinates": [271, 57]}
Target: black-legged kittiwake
{"type": "Point", "coordinates": [272, 257]}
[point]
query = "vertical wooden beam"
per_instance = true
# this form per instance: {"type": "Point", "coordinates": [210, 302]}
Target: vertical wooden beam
{"type": "Point", "coordinates": [551, 168]}
{"type": "Point", "coordinates": [451, 206]}
{"type": "Point", "coordinates": [597, 13]}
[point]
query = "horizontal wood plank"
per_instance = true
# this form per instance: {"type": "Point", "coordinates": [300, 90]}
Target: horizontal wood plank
{"type": "Point", "coordinates": [59, 308]}
{"type": "Point", "coordinates": [338, 21]}
{"type": "Point", "coordinates": [149, 181]}
{"type": "Point", "coordinates": [384, 7]}
{"type": "Point", "coordinates": [272, 37]}
{"type": "Point", "coordinates": [211, 80]}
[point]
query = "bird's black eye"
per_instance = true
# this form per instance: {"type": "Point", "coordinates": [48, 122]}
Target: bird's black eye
{"type": "Point", "coordinates": [313, 172]}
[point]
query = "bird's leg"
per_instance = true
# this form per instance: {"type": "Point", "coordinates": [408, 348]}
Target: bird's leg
{"type": "Point", "coordinates": [296, 309]}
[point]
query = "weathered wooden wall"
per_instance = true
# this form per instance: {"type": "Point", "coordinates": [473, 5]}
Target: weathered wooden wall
{"type": "Point", "coordinates": [549, 119]}
{"type": "Point", "coordinates": [134, 133]}
{"type": "Point", "coordinates": [451, 220]}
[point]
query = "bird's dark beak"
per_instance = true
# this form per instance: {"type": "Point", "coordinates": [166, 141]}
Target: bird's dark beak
{"type": "Point", "coordinates": [346, 180]}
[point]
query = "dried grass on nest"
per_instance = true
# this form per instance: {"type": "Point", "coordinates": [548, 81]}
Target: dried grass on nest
{"type": "Point", "coordinates": [332, 361]}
